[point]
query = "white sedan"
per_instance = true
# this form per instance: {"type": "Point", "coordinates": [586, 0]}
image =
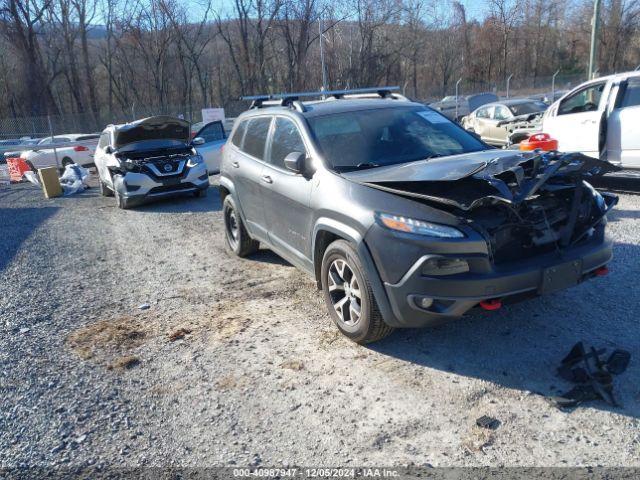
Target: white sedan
{"type": "Point", "coordinates": [72, 148]}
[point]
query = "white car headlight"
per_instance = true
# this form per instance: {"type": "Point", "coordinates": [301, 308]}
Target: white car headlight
{"type": "Point", "coordinates": [420, 227]}
{"type": "Point", "coordinates": [194, 160]}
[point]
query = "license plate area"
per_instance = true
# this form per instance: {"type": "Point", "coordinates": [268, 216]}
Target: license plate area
{"type": "Point", "coordinates": [561, 276]}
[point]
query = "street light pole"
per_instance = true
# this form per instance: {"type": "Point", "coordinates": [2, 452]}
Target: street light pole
{"type": "Point", "coordinates": [509, 84]}
{"type": "Point", "coordinates": [457, 84]}
{"type": "Point", "coordinates": [324, 71]}
{"type": "Point", "coordinates": [553, 86]}
{"type": "Point", "coordinates": [595, 29]}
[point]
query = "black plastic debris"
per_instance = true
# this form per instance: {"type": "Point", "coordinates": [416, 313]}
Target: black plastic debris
{"type": "Point", "coordinates": [618, 362]}
{"type": "Point", "coordinates": [593, 376]}
{"type": "Point", "coordinates": [488, 422]}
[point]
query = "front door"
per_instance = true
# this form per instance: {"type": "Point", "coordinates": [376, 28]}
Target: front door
{"type": "Point", "coordinates": [575, 123]}
{"type": "Point", "coordinates": [287, 195]}
{"type": "Point", "coordinates": [623, 140]}
{"type": "Point", "coordinates": [211, 138]}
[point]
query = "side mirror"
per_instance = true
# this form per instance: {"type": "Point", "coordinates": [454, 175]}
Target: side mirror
{"type": "Point", "coordinates": [108, 150]}
{"type": "Point", "coordinates": [295, 161]}
{"type": "Point", "coordinates": [198, 141]}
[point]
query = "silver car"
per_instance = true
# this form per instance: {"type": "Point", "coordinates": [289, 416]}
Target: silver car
{"type": "Point", "coordinates": [497, 122]}
{"type": "Point", "coordinates": [148, 159]}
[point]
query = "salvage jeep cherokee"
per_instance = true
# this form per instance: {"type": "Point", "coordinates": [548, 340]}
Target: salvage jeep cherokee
{"type": "Point", "coordinates": [404, 218]}
{"type": "Point", "coordinates": [148, 159]}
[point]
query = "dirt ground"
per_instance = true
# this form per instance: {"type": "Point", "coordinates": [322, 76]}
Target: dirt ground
{"type": "Point", "coordinates": [235, 362]}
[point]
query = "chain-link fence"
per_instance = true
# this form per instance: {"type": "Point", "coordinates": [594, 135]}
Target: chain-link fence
{"type": "Point", "coordinates": [511, 86]}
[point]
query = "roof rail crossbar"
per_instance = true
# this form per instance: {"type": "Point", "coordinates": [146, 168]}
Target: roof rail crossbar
{"type": "Point", "coordinates": [288, 99]}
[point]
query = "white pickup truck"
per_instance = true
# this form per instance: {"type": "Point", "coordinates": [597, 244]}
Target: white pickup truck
{"type": "Point", "coordinates": [600, 118]}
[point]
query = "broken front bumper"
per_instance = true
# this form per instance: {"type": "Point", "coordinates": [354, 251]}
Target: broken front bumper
{"type": "Point", "coordinates": [450, 296]}
{"type": "Point", "coordinates": [142, 186]}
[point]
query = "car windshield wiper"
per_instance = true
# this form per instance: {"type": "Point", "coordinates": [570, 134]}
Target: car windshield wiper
{"type": "Point", "coordinates": [360, 166]}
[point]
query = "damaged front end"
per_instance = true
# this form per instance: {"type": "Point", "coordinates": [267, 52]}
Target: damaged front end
{"type": "Point", "coordinates": [522, 205]}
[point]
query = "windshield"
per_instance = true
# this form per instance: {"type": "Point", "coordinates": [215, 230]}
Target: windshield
{"type": "Point", "coordinates": [388, 136]}
{"type": "Point", "coordinates": [528, 107]}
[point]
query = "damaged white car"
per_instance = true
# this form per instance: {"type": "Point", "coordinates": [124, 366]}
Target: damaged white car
{"type": "Point", "coordinates": [147, 159]}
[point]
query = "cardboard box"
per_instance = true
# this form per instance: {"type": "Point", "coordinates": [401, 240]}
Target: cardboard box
{"type": "Point", "coordinates": [50, 182]}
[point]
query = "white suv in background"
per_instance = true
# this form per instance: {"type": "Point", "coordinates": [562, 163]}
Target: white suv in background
{"type": "Point", "coordinates": [148, 159]}
{"type": "Point", "coordinates": [599, 118]}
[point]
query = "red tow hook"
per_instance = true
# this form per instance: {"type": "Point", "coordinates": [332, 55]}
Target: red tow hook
{"type": "Point", "coordinates": [602, 271]}
{"type": "Point", "coordinates": [493, 304]}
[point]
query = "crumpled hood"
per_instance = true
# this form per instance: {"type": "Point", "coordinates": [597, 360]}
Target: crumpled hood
{"type": "Point", "coordinates": [161, 127]}
{"type": "Point", "coordinates": [474, 179]}
{"type": "Point", "coordinates": [440, 169]}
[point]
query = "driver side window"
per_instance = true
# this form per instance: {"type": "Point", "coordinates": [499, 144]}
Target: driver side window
{"type": "Point", "coordinates": [585, 100]}
{"type": "Point", "coordinates": [501, 113]}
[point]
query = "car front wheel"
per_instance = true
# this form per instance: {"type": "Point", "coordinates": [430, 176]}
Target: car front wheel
{"type": "Point", "coordinates": [349, 296]}
{"type": "Point", "coordinates": [237, 238]}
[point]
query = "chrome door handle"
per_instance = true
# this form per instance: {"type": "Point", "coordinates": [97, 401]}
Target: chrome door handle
{"type": "Point", "coordinates": [235, 164]}
{"type": "Point", "coordinates": [267, 179]}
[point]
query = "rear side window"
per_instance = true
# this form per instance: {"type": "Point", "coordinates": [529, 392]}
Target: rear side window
{"type": "Point", "coordinates": [631, 97]}
{"type": "Point", "coordinates": [256, 136]}
{"type": "Point", "coordinates": [238, 134]}
{"type": "Point", "coordinates": [286, 139]}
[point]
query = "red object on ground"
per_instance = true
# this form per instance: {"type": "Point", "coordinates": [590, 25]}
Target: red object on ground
{"type": "Point", "coordinates": [543, 141]}
{"type": "Point", "coordinates": [493, 304]}
{"type": "Point", "coordinates": [17, 167]}
{"type": "Point", "coordinates": [602, 271]}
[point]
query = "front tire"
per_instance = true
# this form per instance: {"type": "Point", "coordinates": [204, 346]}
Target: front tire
{"type": "Point", "coordinates": [104, 190]}
{"type": "Point", "coordinates": [121, 201]}
{"type": "Point", "coordinates": [348, 295]}
{"type": "Point", "coordinates": [236, 237]}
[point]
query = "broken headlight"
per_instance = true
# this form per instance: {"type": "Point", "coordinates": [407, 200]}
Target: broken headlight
{"type": "Point", "coordinates": [420, 227]}
{"type": "Point", "coordinates": [194, 160]}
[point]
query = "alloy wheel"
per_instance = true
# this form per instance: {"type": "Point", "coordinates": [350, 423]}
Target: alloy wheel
{"type": "Point", "coordinates": [345, 293]}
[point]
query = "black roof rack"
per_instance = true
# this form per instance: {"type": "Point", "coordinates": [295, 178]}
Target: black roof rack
{"type": "Point", "coordinates": [292, 99]}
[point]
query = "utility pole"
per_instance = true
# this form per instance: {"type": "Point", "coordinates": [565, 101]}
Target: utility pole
{"type": "Point", "coordinates": [595, 30]}
{"type": "Point", "coordinates": [324, 71]}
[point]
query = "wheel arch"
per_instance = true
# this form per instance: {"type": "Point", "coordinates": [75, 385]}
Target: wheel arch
{"type": "Point", "coordinates": [325, 232]}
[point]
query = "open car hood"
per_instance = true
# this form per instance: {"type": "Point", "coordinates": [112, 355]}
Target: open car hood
{"type": "Point", "coordinates": [471, 180]}
{"type": "Point", "coordinates": [153, 128]}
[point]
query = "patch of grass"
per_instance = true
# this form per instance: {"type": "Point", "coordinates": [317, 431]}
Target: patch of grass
{"type": "Point", "coordinates": [107, 336]}
{"type": "Point", "coordinates": [179, 334]}
{"type": "Point", "coordinates": [291, 364]}
{"type": "Point", "coordinates": [124, 363]}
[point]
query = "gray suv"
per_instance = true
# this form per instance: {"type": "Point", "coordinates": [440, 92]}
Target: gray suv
{"type": "Point", "coordinates": [403, 218]}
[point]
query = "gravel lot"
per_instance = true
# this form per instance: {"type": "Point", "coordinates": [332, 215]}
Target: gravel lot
{"type": "Point", "coordinates": [236, 363]}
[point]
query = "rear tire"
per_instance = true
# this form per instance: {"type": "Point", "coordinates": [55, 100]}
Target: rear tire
{"type": "Point", "coordinates": [348, 295]}
{"type": "Point", "coordinates": [236, 237]}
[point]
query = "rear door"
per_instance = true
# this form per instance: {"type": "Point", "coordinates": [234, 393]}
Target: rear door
{"type": "Point", "coordinates": [214, 138]}
{"type": "Point", "coordinates": [484, 123]}
{"type": "Point", "coordinates": [499, 133]}
{"type": "Point", "coordinates": [623, 140]}
{"type": "Point", "coordinates": [575, 121]}
{"type": "Point", "coordinates": [245, 169]}
{"type": "Point", "coordinates": [287, 194]}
